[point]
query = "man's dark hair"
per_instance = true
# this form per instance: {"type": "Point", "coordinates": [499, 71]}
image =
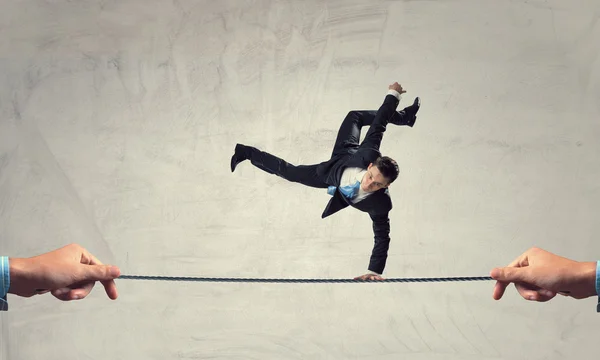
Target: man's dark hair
{"type": "Point", "coordinates": [388, 167]}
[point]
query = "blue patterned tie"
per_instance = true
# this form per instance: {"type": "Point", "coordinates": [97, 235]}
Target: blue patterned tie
{"type": "Point", "coordinates": [349, 191]}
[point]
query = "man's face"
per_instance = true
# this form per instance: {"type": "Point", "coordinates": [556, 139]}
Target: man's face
{"type": "Point", "coordinates": [373, 180]}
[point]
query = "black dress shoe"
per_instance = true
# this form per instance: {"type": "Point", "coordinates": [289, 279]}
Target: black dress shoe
{"type": "Point", "coordinates": [410, 112]}
{"type": "Point", "coordinates": [238, 156]}
{"type": "Point", "coordinates": [408, 115]}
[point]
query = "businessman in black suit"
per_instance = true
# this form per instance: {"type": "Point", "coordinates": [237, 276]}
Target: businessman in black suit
{"type": "Point", "coordinates": [356, 175]}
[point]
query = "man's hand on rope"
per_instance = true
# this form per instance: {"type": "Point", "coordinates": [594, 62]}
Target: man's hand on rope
{"type": "Point", "coordinates": [369, 277]}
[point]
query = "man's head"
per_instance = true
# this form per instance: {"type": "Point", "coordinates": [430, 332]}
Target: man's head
{"type": "Point", "coordinates": [380, 174]}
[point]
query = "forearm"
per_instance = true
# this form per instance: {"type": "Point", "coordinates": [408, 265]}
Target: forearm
{"type": "Point", "coordinates": [588, 278]}
{"type": "Point", "coordinates": [387, 110]}
{"type": "Point", "coordinates": [381, 231]}
{"type": "Point", "coordinates": [18, 272]}
{"type": "Point", "coordinates": [379, 257]}
{"type": "Point", "coordinates": [13, 276]}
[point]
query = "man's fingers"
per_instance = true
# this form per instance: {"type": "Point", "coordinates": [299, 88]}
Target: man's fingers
{"type": "Point", "coordinates": [506, 275]}
{"type": "Point", "coordinates": [368, 277]}
{"type": "Point", "coordinates": [103, 273]}
{"type": "Point", "coordinates": [75, 291]}
{"type": "Point", "coordinates": [108, 282]}
{"type": "Point", "coordinates": [99, 272]}
{"type": "Point", "coordinates": [88, 259]}
{"type": "Point", "coordinates": [62, 294]}
{"type": "Point", "coordinates": [546, 295]}
{"type": "Point", "coordinates": [510, 274]}
{"type": "Point", "coordinates": [499, 290]}
{"type": "Point", "coordinates": [67, 294]}
{"type": "Point", "coordinates": [111, 289]}
{"type": "Point", "coordinates": [520, 261]}
{"type": "Point", "coordinates": [539, 295]}
{"type": "Point", "coordinates": [527, 292]}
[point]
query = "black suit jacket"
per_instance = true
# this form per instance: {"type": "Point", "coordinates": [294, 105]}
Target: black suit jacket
{"type": "Point", "coordinates": [377, 204]}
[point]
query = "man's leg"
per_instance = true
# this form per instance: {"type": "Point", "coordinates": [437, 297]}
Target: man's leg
{"type": "Point", "coordinates": [303, 174]}
{"type": "Point", "coordinates": [386, 112]}
{"type": "Point", "coordinates": [404, 117]}
{"type": "Point", "coordinates": [349, 132]}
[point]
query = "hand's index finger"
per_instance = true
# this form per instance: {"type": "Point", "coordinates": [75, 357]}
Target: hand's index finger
{"type": "Point", "coordinates": [109, 285]}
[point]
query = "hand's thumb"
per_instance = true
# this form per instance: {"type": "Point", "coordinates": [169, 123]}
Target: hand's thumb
{"type": "Point", "coordinates": [509, 274]}
{"type": "Point", "coordinates": [100, 272]}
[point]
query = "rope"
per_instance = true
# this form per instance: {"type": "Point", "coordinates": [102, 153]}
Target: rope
{"type": "Point", "coordinates": [254, 280]}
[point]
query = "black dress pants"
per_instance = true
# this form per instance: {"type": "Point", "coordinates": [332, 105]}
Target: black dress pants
{"type": "Point", "coordinates": [347, 140]}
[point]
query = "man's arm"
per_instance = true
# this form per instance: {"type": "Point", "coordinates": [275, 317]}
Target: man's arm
{"type": "Point", "coordinates": [382, 117]}
{"type": "Point", "coordinates": [69, 273]}
{"type": "Point", "coordinates": [540, 275]}
{"type": "Point", "coordinates": [381, 232]}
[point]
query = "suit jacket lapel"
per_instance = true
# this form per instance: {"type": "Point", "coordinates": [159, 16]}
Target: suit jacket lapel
{"type": "Point", "coordinates": [335, 204]}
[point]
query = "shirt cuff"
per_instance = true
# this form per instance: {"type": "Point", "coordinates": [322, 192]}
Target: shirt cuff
{"type": "Point", "coordinates": [373, 272]}
{"type": "Point", "coordinates": [395, 93]}
{"type": "Point", "coordinates": [598, 285]}
{"type": "Point", "coordinates": [4, 282]}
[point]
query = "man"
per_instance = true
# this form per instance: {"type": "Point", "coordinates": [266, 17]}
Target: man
{"type": "Point", "coordinates": [356, 175]}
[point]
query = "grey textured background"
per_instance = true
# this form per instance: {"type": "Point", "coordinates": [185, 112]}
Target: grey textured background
{"type": "Point", "coordinates": [118, 120]}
